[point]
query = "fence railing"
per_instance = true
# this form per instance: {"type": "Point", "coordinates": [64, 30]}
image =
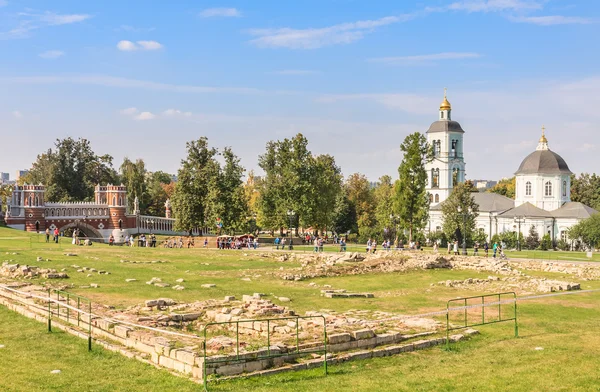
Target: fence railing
{"type": "Point", "coordinates": [73, 301]}
{"type": "Point", "coordinates": [300, 351]}
{"type": "Point", "coordinates": [478, 304]}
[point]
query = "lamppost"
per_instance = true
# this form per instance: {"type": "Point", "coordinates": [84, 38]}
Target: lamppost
{"type": "Point", "coordinates": [464, 213]}
{"type": "Point", "coordinates": [519, 220]}
{"type": "Point", "coordinates": [395, 220]}
{"type": "Point", "coordinates": [290, 214]}
{"type": "Point", "coordinates": [150, 224]}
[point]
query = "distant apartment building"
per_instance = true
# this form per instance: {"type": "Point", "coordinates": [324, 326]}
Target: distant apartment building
{"type": "Point", "coordinates": [4, 178]}
{"type": "Point", "coordinates": [21, 173]}
{"type": "Point", "coordinates": [483, 185]}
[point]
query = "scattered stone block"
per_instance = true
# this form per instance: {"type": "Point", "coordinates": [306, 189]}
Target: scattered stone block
{"type": "Point", "coordinates": [363, 334]}
{"type": "Point", "coordinates": [339, 338]}
{"type": "Point", "coordinates": [229, 298]}
{"type": "Point", "coordinates": [208, 286]}
{"type": "Point", "coordinates": [130, 280]}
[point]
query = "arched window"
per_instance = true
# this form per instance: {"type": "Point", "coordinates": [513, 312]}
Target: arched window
{"type": "Point", "coordinates": [435, 178]}
{"type": "Point", "coordinates": [528, 188]}
{"type": "Point", "coordinates": [437, 198]}
{"type": "Point", "coordinates": [114, 200]}
{"type": "Point", "coordinates": [120, 224]}
{"type": "Point", "coordinates": [455, 176]}
{"type": "Point", "coordinates": [548, 189]}
{"type": "Point", "coordinates": [120, 201]}
{"type": "Point", "coordinates": [564, 189]}
{"type": "Point", "coordinates": [30, 201]}
{"type": "Point", "coordinates": [37, 226]}
{"type": "Point", "coordinates": [37, 201]}
{"type": "Point", "coordinates": [430, 198]}
{"type": "Point", "coordinates": [442, 115]}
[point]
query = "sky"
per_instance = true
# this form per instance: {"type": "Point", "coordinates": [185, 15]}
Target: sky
{"type": "Point", "coordinates": [141, 78]}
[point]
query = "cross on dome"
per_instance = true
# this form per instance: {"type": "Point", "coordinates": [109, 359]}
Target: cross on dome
{"type": "Point", "coordinates": [543, 142]}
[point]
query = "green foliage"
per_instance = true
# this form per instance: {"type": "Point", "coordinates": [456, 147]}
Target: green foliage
{"type": "Point", "coordinates": [133, 176]}
{"type": "Point", "coordinates": [5, 195]}
{"type": "Point", "coordinates": [563, 245]}
{"type": "Point", "coordinates": [195, 178]}
{"type": "Point", "coordinates": [298, 181]}
{"type": "Point", "coordinates": [437, 236]}
{"type": "Point", "coordinates": [360, 195]}
{"type": "Point", "coordinates": [533, 240]}
{"type": "Point", "coordinates": [479, 236]}
{"type": "Point", "coordinates": [71, 171]}
{"type": "Point", "coordinates": [505, 187]}
{"type": "Point", "coordinates": [411, 201]}
{"type": "Point", "coordinates": [586, 189]}
{"type": "Point", "coordinates": [344, 214]}
{"type": "Point", "coordinates": [546, 242]}
{"type": "Point", "coordinates": [588, 230]}
{"type": "Point", "coordinates": [156, 193]}
{"type": "Point", "coordinates": [383, 195]}
{"type": "Point", "coordinates": [226, 199]}
{"type": "Point", "coordinates": [459, 212]}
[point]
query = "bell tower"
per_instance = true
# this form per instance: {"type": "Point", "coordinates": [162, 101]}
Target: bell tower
{"type": "Point", "coordinates": [447, 168]}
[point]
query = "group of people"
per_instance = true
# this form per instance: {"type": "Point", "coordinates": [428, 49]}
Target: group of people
{"type": "Point", "coordinates": [282, 242]}
{"type": "Point", "coordinates": [143, 241]}
{"type": "Point", "coordinates": [55, 235]}
{"type": "Point", "coordinates": [236, 243]}
{"type": "Point", "coordinates": [497, 249]}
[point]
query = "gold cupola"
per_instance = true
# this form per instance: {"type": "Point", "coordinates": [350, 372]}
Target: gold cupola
{"type": "Point", "coordinates": [543, 142]}
{"type": "Point", "coordinates": [445, 105]}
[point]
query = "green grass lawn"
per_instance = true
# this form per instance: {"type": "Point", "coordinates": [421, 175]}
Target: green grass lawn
{"type": "Point", "coordinates": [564, 326]}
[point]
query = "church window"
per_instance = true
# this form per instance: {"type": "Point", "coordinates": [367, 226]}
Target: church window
{"type": "Point", "coordinates": [442, 114]}
{"type": "Point", "coordinates": [114, 201]}
{"type": "Point", "coordinates": [455, 176]}
{"type": "Point", "coordinates": [430, 198]}
{"type": "Point", "coordinates": [563, 235]}
{"type": "Point", "coordinates": [564, 189]}
{"type": "Point", "coordinates": [528, 188]}
{"type": "Point", "coordinates": [30, 201]}
{"type": "Point", "coordinates": [437, 198]}
{"type": "Point", "coordinates": [548, 189]}
{"type": "Point", "coordinates": [454, 148]}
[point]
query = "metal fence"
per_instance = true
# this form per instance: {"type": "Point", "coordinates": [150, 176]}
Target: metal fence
{"type": "Point", "coordinates": [470, 311]}
{"type": "Point", "coordinates": [269, 355]}
{"type": "Point", "coordinates": [77, 303]}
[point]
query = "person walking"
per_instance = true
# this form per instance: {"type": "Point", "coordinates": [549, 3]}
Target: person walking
{"type": "Point", "coordinates": [495, 248]}
{"type": "Point", "coordinates": [476, 249]}
{"type": "Point", "coordinates": [455, 248]}
{"type": "Point", "coordinates": [277, 241]}
{"type": "Point", "coordinates": [56, 235]}
{"type": "Point", "coordinates": [486, 248]}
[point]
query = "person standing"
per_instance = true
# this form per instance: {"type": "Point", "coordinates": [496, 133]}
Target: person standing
{"type": "Point", "coordinates": [56, 235]}
{"type": "Point", "coordinates": [455, 248]}
{"type": "Point", "coordinates": [277, 240]}
{"type": "Point", "coordinates": [47, 234]}
{"type": "Point", "coordinates": [495, 248]}
{"type": "Point", "coordinates": [476, 249]}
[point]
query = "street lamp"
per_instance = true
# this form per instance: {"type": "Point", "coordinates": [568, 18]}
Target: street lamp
{"type": "Point", "coordinates": [149, 223]}
{"type": "Point", "coordinates": [519, 220]}
{"type": "Point", "coordinates": [290, 214]}
{"type": "Point", "coordinates": [464, 213]}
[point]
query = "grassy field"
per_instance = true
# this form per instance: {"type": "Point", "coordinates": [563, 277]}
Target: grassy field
{"type": "Point", "coordinates": [563, 326]}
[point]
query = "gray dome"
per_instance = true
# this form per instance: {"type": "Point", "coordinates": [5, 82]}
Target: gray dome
{"type": "Point", "coordinates": [543, 162]}
{"type": "Point", "coordinates": [445, 126]}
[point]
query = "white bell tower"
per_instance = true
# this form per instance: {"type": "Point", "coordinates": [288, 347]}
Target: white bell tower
{"type": "Point", "coordinates": [448, 166]}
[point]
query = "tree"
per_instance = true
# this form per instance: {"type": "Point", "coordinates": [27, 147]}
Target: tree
{"type": "Point", "coordinates": [226, 198]}
{"type": "Point", "coordinates": [360, 195]}
{"type": "Point", "coordinates": [505, 187]}
{"type": "Point", "coordinates": [459, 212]}
{"type": "Point", "coordinates": [586, 189]}
{"type": "Point", "coordinates": [195, 177]}
{"type": "Point", "coordinates": [383, 195]}
{"type": "Point", "coordinates": [5, 195]}
{"type": "Point", "coordinates": [326, 186]}
{"type": "Point", "coordinates": [546, 242]}
{"type": "Point", "coordinates": [71, 171]}
{"type": "Point", "coordinates": [157, 185]}
{"type": "Point", "coordinates": [533, 239]}
{"type": "Point", "coordinates": [344, 214]}
{"type": "Point", "coordinates": [133, 176]}
{"type": "Point", "coordinates": [411, 201]}
{"type": "Point", "coordinates": [587, 230]}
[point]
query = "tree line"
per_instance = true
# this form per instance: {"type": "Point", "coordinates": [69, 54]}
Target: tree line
{"type": "Point", "coordinates": [298, 189]}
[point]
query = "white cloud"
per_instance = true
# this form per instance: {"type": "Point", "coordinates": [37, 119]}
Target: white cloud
{"type": "Point", "coordinates": [128, 46]}
{"type": "Point", "coordinates": [176, 112]}
{"type": "Point", "coordinates": [28, 22]}
{"type": "Point", "coordinates": [17, 114]}
{"type": "Point", "coordinates": [222, 12]}
{"type": "Point", "coordinates": [52, 54]}
{"type": "Point", "coordinates": [128, 111]}
{"type": "Point", "coordinates": [424, 59]}
{"type": "Point", "coordinates": [312, 38]}
{"type": "Point", "coordinates": [112, 81]}
{"type": "Point", "coordinates": [144, 116]}
{"type": "Point", "coordinates": [296, 72]}
{"type": "Point", "coordinates": [149, 45]}
{"type": "Point", "coordinates": [133, 29]}
{"type": "Point", "coordinates": [495, 5]}
{"type": "Point", "coordinates": [551, 20]}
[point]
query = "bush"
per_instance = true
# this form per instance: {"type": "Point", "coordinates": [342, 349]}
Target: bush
{"type": "Point", "coordinates": [546, 242]}
{"type": "Point", "coordinates": [532, 242]}
{"type": "Point", "coordinates": [563, 245]}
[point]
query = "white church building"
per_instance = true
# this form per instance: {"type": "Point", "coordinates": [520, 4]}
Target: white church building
{"type": "Point", "coordinates": [542, 191]}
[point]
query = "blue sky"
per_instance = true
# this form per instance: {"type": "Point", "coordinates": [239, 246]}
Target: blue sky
{"type": "Point", "coordinates": [140, 78]}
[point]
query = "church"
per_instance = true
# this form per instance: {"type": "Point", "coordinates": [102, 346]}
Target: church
{"type": "Point", "coordinates": [542, 191]}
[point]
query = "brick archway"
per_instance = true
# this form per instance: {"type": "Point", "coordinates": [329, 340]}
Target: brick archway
{"type": "Point", "coordinates": [86, 228]}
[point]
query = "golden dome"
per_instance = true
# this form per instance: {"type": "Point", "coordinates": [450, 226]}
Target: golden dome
{"type": "Point", "coordinates": [543, 138]}
{"type": "Point", "coordinates": [445, 105]}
